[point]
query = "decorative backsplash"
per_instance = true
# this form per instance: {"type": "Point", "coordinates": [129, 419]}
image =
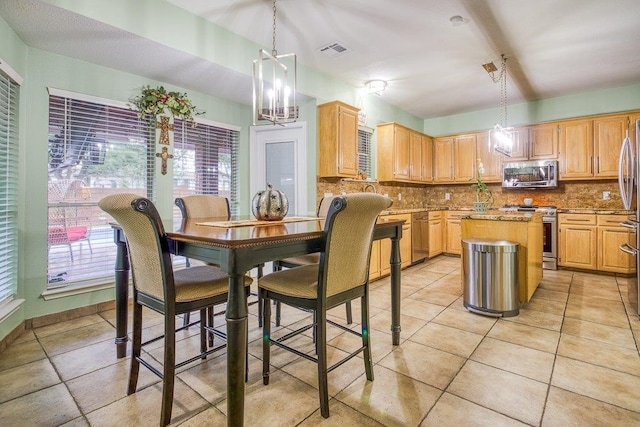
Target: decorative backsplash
{"type": "Point", "coordinates": [573, 194]}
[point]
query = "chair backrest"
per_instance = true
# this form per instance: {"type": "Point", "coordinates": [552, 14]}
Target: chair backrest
{"type": "Point", "coordinates": [325, 204]}
{"type": "Point", "coordinates": [344, 261]}
{"type": "Point", "coordinates": [147, 242]}
{"type": "Point", "coordinates": [203, 205]}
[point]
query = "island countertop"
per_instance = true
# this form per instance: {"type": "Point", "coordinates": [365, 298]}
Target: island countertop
{"type": "Point", "coordinates": [504, 216]}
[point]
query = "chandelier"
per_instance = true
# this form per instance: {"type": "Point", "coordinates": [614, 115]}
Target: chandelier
{"type": "Point", "coordinates": [501, 138]}
{"type": "Point", "coordinates": [274, 85]}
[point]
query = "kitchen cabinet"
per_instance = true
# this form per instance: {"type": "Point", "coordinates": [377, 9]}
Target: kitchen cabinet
{"type": "Point", "coordinates": [443, 159]}
{"type": "Point", "coordinates": [337, 140]}
{"type": "Point", "coordinates": [577, 241]}
{"type": "Point", "coordinates": [608, 133]}
{"type": "Point", "coordinates": [576, 149]}
{"type": "Point", "coordinates": [404, 155]}
{"type": "Point", "coordinates": [453, 239]}
{"type": "Point", "coordinates": [543, 141]}
{"type": "Point", "coordinates": [520, 149]}
{"type": "Point", "coordinates": [611, 235]}
{"type": "Point", "coordinates": [465, 160]}
{"type": "Point", "coordinates": [374, 263]}
{"type": "Point", "coordinates": [435, 233]}
{"type": "Point", "coordinates": [491, 160]}
{"type": "Point", "coordinates": [405, 246]}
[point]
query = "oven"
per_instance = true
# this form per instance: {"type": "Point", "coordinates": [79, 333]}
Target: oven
{"type": "Point", "coordinates": [549, 232]}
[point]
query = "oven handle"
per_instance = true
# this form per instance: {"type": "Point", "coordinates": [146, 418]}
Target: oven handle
{"type": "Point", "coordinates": [627, 248]}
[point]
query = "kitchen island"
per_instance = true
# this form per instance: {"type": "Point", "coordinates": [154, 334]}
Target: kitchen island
{"type": "Point", "coordinates": [524, 228]}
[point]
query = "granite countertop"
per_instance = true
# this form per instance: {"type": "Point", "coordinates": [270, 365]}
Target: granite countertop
{"type": "Point", "coordinates": [505, 216]}
{"type": "Point", "coordinates": [596, 211]}
{"type": "Point", "coordinates": [495, 211]}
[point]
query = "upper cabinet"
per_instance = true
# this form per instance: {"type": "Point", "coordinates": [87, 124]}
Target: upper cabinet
{"type": "Point", "coordinates": [491, 160]}
{"type": "Point", "coordinates": [608, 133]}
{"type": "Point", "coordinates": [404, 155]}
{"type": "Point", "coordinates": [576, 149]}
{"type": "Point", "coordinates": [338, 140]}
{"type": "Point", "coordinates": [454, 158]}
{"type": "Point", "coordinates": [443, 159]}
{"type": "Point", "coordinates": [543, 141]}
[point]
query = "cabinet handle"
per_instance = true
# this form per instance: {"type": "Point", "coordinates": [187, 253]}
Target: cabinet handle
{"type": "Point", "coordinates": [597, 168]}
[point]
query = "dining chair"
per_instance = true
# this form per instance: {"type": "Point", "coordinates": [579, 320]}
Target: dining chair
{"type": "Point", "coordinates": [158, 287]}
{"type": "Point", "coordinates": [308, 259]}
{"type": "Point", "coordinates": [341, 275]}
{"type": "Point", "coordinates": [204, 206]}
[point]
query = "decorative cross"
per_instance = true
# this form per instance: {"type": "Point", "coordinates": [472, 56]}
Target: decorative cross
{"type": "Point", "coordinates": [164, 156]}
{"type": "Point", "coordinates": [164, 127]}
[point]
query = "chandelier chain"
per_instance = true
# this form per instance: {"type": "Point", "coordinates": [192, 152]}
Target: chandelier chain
{"type": "Point", "coordinates": [274, 52]}
{"type": "Point", "coordinates": [503, 93]}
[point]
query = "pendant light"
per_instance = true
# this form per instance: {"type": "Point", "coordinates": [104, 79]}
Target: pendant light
{"type": "Point", "coordinates": [501, 137]}
{"type": "Point", "coordinates": [274, 85]}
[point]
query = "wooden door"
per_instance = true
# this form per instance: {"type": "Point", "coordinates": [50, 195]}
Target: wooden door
{"type": "Point", "coordinates": [491, 160]}
{"type": "Point", "coordinates": [415, 142]}
{"type": "Point", "coordinates": [577, 242]}
{"type": "Point", "coordinates": [464, 158]}
{"type": "Point", "coordinates": [374, 264]}
{"type": "Point", "coordinates": [347, 141]}
{"type": "Point", "coordinates": [608, 133]}
{"type": "Point", "coordinates": [443, 159]}
{"type": "Point", "coordinates": [401, 154]}
{"type": "Point", "coordinates": [520, 150]}
{"type": "Point", "coordinates": [427, 159]}
{"type": "Point", "coordinates": [610, 257]}
{"type": "Point", "coordinates": [576, 149]}
{"type": "Point", "coordinates": [543, 141]}
{"type": "Point", "coordinates": [435, 237]}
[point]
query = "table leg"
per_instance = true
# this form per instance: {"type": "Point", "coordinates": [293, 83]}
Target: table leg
{"type": "Point", "coordinates": [122, 294]}
{"type": "Point", "coordinates": [236, 349]}
{"type": "Point", "coordinates": [395, 262]}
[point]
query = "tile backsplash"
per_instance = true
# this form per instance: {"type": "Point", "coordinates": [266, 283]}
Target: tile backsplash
{"type": "Point", "coordinates": [573, 194]}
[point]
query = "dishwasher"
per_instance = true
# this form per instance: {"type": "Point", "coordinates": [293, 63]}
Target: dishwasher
{"type": "Point", "coordinates": [419, 236]}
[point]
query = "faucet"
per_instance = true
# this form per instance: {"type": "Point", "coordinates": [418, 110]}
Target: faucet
{"type": "Point", "coordinates": [366, 188]}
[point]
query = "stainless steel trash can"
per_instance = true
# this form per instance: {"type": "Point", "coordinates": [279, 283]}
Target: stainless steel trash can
{"type": "Point", "coordinates": [490, 277]}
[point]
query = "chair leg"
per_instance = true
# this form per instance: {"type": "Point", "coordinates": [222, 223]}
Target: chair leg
{"type": "Point", "coordinates": [169, 369]}
{"type": "Point", "coordinates": [187, 318]}
{"type": "Point", "coordinates": [260, 308]}
{"type": "Point", "coordinates": [366, 339]}
{"type": "Point", "coordinates": [204, 334]}
{"type": "Point", "coordinates": [278, 312]}
{"type": "Point", "coordinates": [211, 324]}
{"type": "Point", "coordinates": [266, 335]}
{"type": "Point", "coordinates": [136, 348]}
{"type": "Point", "coordinates": [321, 350]}
{"type": "Point", "coordinates": [347, 307]}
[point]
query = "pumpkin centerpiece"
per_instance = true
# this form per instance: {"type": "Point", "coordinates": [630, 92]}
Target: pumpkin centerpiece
{"type": "Point", "coordinates": [270, 204]}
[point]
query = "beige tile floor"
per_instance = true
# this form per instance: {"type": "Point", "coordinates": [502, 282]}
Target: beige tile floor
{"type": "Point", "coordinates": [570, 358]}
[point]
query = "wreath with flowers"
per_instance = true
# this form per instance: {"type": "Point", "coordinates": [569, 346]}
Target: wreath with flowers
{"type": "Point", "coordinates": [157, 101]}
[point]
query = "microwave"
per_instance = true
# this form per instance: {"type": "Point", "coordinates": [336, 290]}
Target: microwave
{"type": "Point", "coordinates": [530, 174]}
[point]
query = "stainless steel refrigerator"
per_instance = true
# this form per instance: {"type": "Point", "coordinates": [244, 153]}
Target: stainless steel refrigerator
{"type": "Point", "coordinates": [628, 174]}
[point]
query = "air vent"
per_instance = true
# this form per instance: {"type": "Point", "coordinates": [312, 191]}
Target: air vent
{"type": "Point", "coordinates": [333, 49]}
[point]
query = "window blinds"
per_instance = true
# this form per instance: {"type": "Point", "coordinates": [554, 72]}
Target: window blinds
{"type": "Point", "coordinates": [205, 161]}
{"type": "Point", "coordinates": [9, 96]}
{"type": "Point", "coordinates": [95, 149]}
{"type": "Point", "coordinates": [364, 150]}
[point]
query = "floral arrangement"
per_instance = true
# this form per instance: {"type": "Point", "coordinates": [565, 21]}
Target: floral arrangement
{"type": "Point", "coordinates": [483, 193]}
{"type": "Point", "coordinates": [157, 100]}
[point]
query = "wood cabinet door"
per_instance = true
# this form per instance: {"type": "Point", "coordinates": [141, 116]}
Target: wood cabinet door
{"type": "Point", "coordinates": [610, 257]}
{"type": "Point", "coordinates": [435, 237]}
{"type": "Point", "coordinates": [576, 149]}
{"type": "Point", "coordinates": [443, 159]}
{"type": "Point", "coordinates": [427, 159]}
{"type": "Point", "coordinates": [608, 133]}
{"type": "Point", "coordinates": [491, 160]}
{"type": "Point", "coordinates": [401, 154]}
{"type": "Point", "coordinates": [464, 158]}
{"type": "Point", "coordinates": [577, 246]}
{"type": "Point", "coordinates": [454, 235]}
{"type": "Point", "coordinates": [374, 264]}
{"type": "Point", "coordinates": [520, 150]}
{"type": "Point", "coordinates": [543, 141]}
{"type": "Point", "coordinates": [347, 141]}
{"type": "Point", "coordinates": [415, 145]}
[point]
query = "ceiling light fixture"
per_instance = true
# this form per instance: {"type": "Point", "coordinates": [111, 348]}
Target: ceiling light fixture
{"type": "Point", "coordinates": [376, 86]}
{"type": "Point", "coordinates": [457, 20]}
{"type": "Point", "coordinates": [274, 85]}
{"type": "Point", "coordinates": [501, 138]}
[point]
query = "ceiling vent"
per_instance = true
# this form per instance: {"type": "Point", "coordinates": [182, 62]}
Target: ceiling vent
{"type": "Point", "coordinates": [333, 49]}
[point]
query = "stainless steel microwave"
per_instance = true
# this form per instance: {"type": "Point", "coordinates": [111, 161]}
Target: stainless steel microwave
{"type": "Point", "coordinates": [530, 174]}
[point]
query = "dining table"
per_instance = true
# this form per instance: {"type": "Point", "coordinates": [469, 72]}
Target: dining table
{"type": "Point", "coordinates": [237, 246]}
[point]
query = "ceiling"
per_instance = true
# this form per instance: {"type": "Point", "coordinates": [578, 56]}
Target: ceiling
{"type": "Point", "coordinates": [433, 68]}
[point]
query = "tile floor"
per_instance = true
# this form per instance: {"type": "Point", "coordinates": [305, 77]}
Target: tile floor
{"type": "Point", "coordinates": [570, 358]}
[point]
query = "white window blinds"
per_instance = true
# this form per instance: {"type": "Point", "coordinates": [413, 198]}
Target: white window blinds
{"type": "Point", "coordinates": [96, 148]}
{"type": "Point", "coordinates": [205, 161]}
{"type": "Point", "coordinates": [364, 150]}
{"type": "Point", "coordinates": [9, 96]}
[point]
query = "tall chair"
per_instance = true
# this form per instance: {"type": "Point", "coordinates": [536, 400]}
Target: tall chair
{"type": "Point", "coordinates": [341, 275]}
{"type": "Point", "coordinates": [158, 287]}
{"type": "Point", "coordinates": [309, 259]}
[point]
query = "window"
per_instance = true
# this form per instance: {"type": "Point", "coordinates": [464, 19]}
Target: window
{"type": "Point", "coordinates": [96, 148]}
{"type": "Point", "coordinates": [9, 96]}
{"type": "Point", "coordinates": [364, 149]}
{"type": "Point", "coordinates": [205, 161]}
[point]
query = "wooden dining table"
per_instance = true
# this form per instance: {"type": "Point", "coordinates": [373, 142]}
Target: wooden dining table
{"type": "Point", "coordinates": [237, 247]}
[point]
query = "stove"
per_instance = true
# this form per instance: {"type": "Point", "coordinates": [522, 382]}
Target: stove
{"type": "Point", "coordinates": [549, 232]}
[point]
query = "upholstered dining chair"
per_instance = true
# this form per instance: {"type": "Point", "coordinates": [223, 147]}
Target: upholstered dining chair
{"type": "Point", "coordinates": [341, 275]}
{"type": "Point", "coordinates": [158, 287]}
{"type": "Point", "coordinates": [203, 206]}
{"type": "Point", "coordinates": [308, 259]}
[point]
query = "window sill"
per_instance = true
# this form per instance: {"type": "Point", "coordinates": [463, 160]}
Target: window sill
{"type": "Point", "coordinates": [10, 308]}
{"type": "Point", "coordinates": [77, 289]}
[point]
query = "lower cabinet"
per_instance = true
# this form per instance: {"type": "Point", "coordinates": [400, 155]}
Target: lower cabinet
{"type": "Point", "coordinates": [435, 233]}
{"type": "Point", "coordinates": [577, 241]}
{"type": "Point", "coordinates": [382, 249]}
{"type": "Point", "coordinates": [611, 235]}
{"type": "Point", "coordinates": [453, 232]}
